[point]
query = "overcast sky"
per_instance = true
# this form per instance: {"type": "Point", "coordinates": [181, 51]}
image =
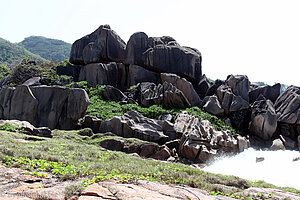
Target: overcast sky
{"type": "Point", "coordinates": [258, 38]}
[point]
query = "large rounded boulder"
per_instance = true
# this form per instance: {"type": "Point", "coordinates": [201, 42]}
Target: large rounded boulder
{"type": "Point", "coordinates": [263, 119]}
{"type": "Point", "coordinates": [103, 45]}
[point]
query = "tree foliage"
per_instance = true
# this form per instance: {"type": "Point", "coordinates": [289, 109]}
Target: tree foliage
{"type": "Point", "coordinates": [10, 52]}
{"type": "Point", "coordinates": [50, 49]}
{"type": "Point", "coordinates": [25, 69]}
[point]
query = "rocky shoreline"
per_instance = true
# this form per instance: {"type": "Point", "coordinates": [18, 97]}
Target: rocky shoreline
{"type": "Point", "coordinates": [160, 72]}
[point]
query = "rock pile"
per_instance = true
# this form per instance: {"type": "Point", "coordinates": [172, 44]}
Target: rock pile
{"type": "Point", "coordinates": [164, 73]}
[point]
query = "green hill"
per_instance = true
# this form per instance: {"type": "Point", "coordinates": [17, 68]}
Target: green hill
{"type": "Point", "coordinates": [50, 49]}
{"type": "Point", "coordinates": [10, 52]}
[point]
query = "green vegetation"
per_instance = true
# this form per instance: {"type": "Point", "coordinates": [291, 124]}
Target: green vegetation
{"type": "Point", "coordinates": [109, 109]}
{"type": "Point", "coordinates": [25, 69]}
{"type": "Point", "coordinates": [70, 156]}
{"type": "Point", "coordinates": [50, 49]}
{"type": "Point", "coordinates": [9, 127]}
{"type": "Point", "coordinates": [10, 52]}
{"type": "Point", "coordinates": [3, 70]}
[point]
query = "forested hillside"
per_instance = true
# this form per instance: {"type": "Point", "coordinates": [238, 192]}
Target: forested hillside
{"type": "Point", "coordinates": [50, 49]}
{"type": "Point", "coordinates": [10, 52]}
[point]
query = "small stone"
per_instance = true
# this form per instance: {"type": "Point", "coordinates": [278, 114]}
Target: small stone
{"type": "Point", "coordinates": [277, 145]}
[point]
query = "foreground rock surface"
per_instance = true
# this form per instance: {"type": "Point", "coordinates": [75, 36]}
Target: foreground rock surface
{"type": "Point", "coordinates": [48, 106]}
{"type": "Point", "coordinates": [16, 184]}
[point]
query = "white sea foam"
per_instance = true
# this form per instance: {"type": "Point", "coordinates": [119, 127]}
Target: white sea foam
{"type": "Point", "coordinates": [277, 168]}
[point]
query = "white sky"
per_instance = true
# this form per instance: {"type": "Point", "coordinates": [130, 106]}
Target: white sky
{"type": "Point", "coordinates": [259, 38]}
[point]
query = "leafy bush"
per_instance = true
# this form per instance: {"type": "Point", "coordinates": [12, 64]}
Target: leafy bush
{"type": "Point", "coordinates": [25, 69]}
{"type": "Point", "coordinates": [9, 127]}
{"type": "Point", "coordinates": [3, 71]}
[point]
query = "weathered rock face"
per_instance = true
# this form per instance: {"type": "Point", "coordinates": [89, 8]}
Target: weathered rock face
{"type": "Point", "coordinates": [263, 119]}
{"type": "Point", "coordinates": [100, 74]}
{"type": "Point", "coordinates": [200, 141]}
{"type": "Point", "coordinates": [288, 105]}
{"type": "Point", "coordinates": [112, 94]}
{"type": "Point", "coordinates": [134, 124]}
{"type": "Point", "coordinates": [103, 45]}
{"type": "Point", "coordinates": [239, 85]}
{"type": "Point", "coordinates": [185, 86]}
{"type": "Point", "coordinates": [169, 96]}
{"type": "Point", "coordinates": [53, 107]}
{"type": "Point", "coordinates": [212, 105]}
{"type": "Point", "coordinates": [212, 90]}
{"type": "Point", "coordinates": [161, 54]}
{"type": "Point", "coordinates": [269, 92]}
{"type": "Point", "coordinates": [203, 86]}
{"type": "Point", "coordinates": [229, 101]}
{"type": "Point", "coordinates": [137, 74]}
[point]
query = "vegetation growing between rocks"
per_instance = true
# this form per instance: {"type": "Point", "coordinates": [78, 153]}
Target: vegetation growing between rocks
{"type": "Point", "coordinates": [108, 109]}
{"type": "Point", "coordinates": [25, 69]}
{"type": "Point", "coordinates": [69, 156]}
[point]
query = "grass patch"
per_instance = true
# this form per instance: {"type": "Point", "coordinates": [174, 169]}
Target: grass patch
{"type": "Point", "coordinates": [69, 156]}
{"type": "Point", "coordinates": [9, 127]}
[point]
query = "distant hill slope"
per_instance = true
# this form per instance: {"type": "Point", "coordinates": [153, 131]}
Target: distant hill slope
{"type": "Point", "coordinates": [10, 52]}
{"type": "Point", "coordinates": [50, 49]}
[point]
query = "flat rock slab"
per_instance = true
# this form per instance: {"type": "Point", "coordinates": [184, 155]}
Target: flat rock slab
{"type": "Point", "coordinates": [144, 190]}
{"type": "Point", "coordinates": [14, 198]}
{"type": "Point", "coordinates": [278, 193]}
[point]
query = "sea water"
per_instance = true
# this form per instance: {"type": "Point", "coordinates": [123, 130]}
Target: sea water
{"type": "Point", "coordinates": [281, 168]}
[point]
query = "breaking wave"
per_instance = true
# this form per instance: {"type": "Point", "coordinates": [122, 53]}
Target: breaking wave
{"type": "Point", "coordinates": [281, 168]}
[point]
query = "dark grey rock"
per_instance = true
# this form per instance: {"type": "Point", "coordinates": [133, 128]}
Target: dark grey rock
{"type": "Point", "coordinates": [203, 86]}
{"type": "Point", "coordinates": [288, 105]}
{"type": "Point", "coordinates": [184, 86]}
{"type": "Point", "coordinates": [100, 74]}
{"type": "Point", "coordinates": [212, 90]}
{"type": "Point", "coordinates": [229, 101]}
{"type": "Point", "coordinates": [42, 132]}
{"type": "Point", "coordinates": [112, 94]}
{"type": "Point", "coordinates": [169, 96]}
{"type": "Point", "coordinates": [86, 132]}
{"type": "Point", "coordinates": [212, 105]}
{"type": "Point", "coordinates": [92, 122]}
{"type": "Point", "coordinates": [103, 45]}
{"type": "Point", "coordinates": [239, 85]}
{"type": "Point", "coordinates": [112, 144]}
{"type": "Point", "coordinates": [69, 70]}
{"type": "Point", "coordinates": [50, 106]}
{"type": "Point", "coordinates": [161, 54]}
{"type": "Point", "coordinates": [263, 119]}
{"type": "Point", "coordinates": [269, 92]}
{"type": "Point", "coordinates": [137, 74]}
{"type": "Point", "coordinates": [134, 124]}
{"type": "Point", "coordinates": [201, 142]}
